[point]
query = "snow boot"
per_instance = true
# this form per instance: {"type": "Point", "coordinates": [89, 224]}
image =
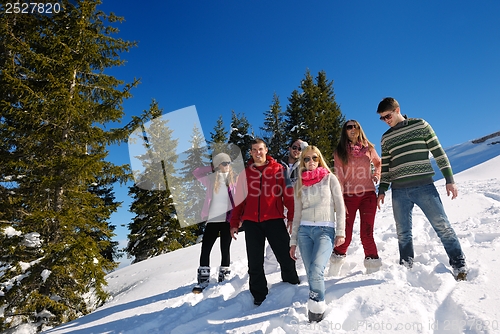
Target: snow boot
{"type": "Point", "coordinates": [460, 273]}
{"type": "Point", "coordinates": [203, 279]}
{"type": "Point", "coordinates": [316, 310]}
{"type": "Point", "coordinates": [372, 265]}
{"type": "Point", "coordinates": [223, 273]}
{"type": "Point", "coordinates": [336, 262]}
{"type": "Point", "coordinates": [408, 264]}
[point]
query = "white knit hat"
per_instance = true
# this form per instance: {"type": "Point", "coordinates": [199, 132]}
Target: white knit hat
{"type": "Point", "coordinates": [220, 158]}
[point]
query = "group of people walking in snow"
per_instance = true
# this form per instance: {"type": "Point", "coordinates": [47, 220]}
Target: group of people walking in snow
{"type": "Point", "coordinates": [301, 206]}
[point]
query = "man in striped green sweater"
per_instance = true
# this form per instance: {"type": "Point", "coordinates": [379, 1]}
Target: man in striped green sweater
{"type": "Point", "coordinates": [406, 167]}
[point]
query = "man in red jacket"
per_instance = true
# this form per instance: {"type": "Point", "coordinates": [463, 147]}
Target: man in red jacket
{"type": "Point", "coordinates": [261, 213]}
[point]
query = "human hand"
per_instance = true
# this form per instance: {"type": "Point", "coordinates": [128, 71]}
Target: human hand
{"type": "Point", "coordinates": [292, 252]}
{"type": "Point", "coordinates": [289, 225]}
{"type": "Point", "coordinates": [380, 200]}
{"type": "Point", "coordinates": [451, 188]}
{"type": "Point", "coordinates": [338, 241]}
{"type": "Point", "coordinates": [234, 232]}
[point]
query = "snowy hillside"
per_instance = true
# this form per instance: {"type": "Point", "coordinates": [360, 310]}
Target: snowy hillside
{"type": "Point", "coordinates": [473, 152]}
{"type": "Point", "coordinates": [154, 296]}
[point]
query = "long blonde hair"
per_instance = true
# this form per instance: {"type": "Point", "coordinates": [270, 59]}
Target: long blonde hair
{"type": "Point", "coordinates": [302, 167]}
{"type": "Point", "coordinates": [230, 179]}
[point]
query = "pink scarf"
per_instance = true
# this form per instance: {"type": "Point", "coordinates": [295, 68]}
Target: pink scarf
{"type": "Point", "coordinates": [311, 177]}
{"type": "Point", "coordinates": [357, 149]}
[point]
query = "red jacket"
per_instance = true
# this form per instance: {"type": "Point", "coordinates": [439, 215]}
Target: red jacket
{"type": "Point", "coordinates": [265, 193]}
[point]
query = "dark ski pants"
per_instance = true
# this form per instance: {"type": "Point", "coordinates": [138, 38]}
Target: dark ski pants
{"type": "Point", "coordinates": [277, 235]}
{"type": "Point", "coordinates": [212, 231]}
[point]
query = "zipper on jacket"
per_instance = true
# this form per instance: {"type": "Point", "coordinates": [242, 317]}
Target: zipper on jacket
{"type": "Point", "coordinates": [260, 197]}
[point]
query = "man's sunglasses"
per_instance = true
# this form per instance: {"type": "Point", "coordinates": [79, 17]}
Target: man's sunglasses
{"type": "Point", "coordinates": [296, 148]}
{"type": "Point", "coordinates": [387, 117]}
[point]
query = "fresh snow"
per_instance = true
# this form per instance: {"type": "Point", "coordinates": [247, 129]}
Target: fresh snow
{"type": "Point", "coordinates": [154, 296]}
{"type": "Point", "coordinates": [10, 232]}
{"type": "Point", "coordinates": [466, 155]}
{"type": "Point", "coordinates": [45, 274]}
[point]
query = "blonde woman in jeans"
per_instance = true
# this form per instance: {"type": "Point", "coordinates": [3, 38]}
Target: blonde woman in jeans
{"type": "Point", "coordinates": [318, 224]}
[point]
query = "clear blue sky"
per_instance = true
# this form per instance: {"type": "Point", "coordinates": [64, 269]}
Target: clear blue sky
{"type": "Point", "coordinates": [439, 59]}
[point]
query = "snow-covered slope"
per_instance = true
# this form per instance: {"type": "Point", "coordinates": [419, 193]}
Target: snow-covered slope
{"type": "Point", "coordinates": [473, 152]}
{"type": "Point", "coordinates": [154, 296]}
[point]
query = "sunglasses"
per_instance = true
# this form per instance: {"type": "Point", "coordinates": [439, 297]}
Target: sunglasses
{"type": "Point", "coordinates": [314, 158]}
{"type": "Point", "coordinates": [225, 163]}
{"type": "Point", "coordinates": [296, 148]}
{"type": "Point", "coordinates": [387, 117]}
{"type": "Point", "coordinates": [351, 126]}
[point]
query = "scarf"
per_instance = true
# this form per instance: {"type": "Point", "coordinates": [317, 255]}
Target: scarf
{"type": "Point", "coordinates": [357, 149]}
{"type": "Point", "coordinates": [311, 177]}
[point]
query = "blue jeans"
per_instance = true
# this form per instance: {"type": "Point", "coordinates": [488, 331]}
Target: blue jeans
{"type": "Point", "coordinates": [316, 245]}
{"type": "Point", "coordinates": [427, 198]}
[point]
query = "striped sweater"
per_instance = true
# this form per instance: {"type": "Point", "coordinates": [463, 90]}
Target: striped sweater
{"type": "Point", "coordinates": [405, 156]}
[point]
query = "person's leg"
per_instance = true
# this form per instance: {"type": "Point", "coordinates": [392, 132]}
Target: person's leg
{"type": "Point", "coordinates": [351, 203]}
{"type": "Point", "coordinates": [279, 240]}
{"type": "Point", "coordinates": [316, 245]}
{"type": "Point", "coordinates": [209, 237]}
{"type": "Point", "coordinates": [367, 210]}
{"type": "Point", "coordinates": [255, 243]}
{"type": "Point", "coordinates": [402, 208]}
{"type": "Point", "coordinates": [427, 198]}
{"type": "Point", "coordinates": [322, 248]}
{"type": "Point", "coordinates": [305, 243]}
{"type": "Point", "coordinates": [225, 244]}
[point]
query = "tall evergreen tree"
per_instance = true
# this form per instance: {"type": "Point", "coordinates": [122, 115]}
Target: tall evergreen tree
{"type": "Point", "coordinates": [219, 135]}
{"type": "Point", "coordinates": [192, 190]}
{"type": "Point", "coordinates": [239, 134]}
{"type": "Point", "coordinates": [56, 200]}
{"type": "Point", "coordinates": [155, 229]}
{"type": "Point", "coordinates": [314, 116]}
{"type": "Point", "coordinates": [274, 130]}
{"type": "Point", "coordinates": [104, 190]}
{"type": "Point", "coordinates": [219, 139]}
{"type": "Point", "coordinates": [295, 125]}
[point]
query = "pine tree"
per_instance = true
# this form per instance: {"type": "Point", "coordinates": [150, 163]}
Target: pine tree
{"type": "Point", "coordinates": [155, 229]}
{"type": "Point", "coordinates": [219, 136]}
{"type": "Point", "coordinates": [219, 142]}
{"type": "Point", "coordinates": [274, 129]}
{"type": "Point", "coordinates": [314, 116]}
{"type": "Point", "coordinates": [55, 185]}
{"type": "Point", "coordinates": [104, 190]}
{"type": "Point", "coordinates": [193, 191]}
{"type": "Point", "coordinates": [239, 134]}
{"type": "Point", "coordinates": [295, 117]}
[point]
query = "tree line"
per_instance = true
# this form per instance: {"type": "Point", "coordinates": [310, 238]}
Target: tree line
{"type": "Point", "coordinates": [312, 115]}
{"type": "Point", "coordinates": [56, 188]}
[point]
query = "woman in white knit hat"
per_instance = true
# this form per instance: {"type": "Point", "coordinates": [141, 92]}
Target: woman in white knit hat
{"type": "Point", "coordinates": [220, 183]}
